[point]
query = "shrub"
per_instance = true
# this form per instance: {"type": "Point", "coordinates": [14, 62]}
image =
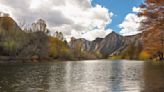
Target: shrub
{"type": "Point", "coordinates": [144, 55]}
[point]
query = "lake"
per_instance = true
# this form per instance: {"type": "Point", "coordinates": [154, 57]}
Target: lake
{"type": "Point", "coordinates": [83, 76]}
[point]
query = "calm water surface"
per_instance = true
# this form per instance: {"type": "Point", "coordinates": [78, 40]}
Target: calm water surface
{"type": "Point", "coordinates": [83, 76]}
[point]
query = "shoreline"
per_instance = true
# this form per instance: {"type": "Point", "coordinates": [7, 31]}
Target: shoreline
{"type": "Point", "coordinates": [7, 59]}
{"type": "Point", "coordinates": [13, 60]}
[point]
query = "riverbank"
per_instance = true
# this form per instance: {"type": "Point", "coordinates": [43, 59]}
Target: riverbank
{"type": "Point", "coordinates": [7, 59]}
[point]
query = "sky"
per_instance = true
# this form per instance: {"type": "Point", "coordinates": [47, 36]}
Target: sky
{"type": "Point", "coordinates": [87, 19]}
{"type": "Point", "coordinates": [120, 8]}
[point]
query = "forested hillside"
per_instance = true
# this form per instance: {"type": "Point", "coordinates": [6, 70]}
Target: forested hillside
{"type": "Point", "coordinates": [17, 44]}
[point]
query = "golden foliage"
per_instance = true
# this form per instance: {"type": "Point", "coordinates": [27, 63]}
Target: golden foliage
{"type": "Point", "coordinates": [59, 49]}
{"type": "Point", "coordinates": [144, 55]}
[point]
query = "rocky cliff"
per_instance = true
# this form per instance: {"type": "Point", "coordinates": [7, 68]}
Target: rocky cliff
{"type": "Point", "coordinates": [111, 44]}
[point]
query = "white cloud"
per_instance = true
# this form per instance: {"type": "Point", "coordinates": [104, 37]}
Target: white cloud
{"type": "Point", "coordinates": [92, 35]}
{"type": "Point", "coordinates": [137, 9]}
{"type": "Point", "coordinates": [130, 25]}
{"type": "Point", "coordinates": [72, 17]}
{"type": "Point", "coordinates": [4, 8]}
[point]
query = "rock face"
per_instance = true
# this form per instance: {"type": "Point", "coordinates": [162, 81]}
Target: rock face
{"type": "Point", "coordinates": [85, 45]}
{"type": "Point", "coordinates": [112, 43]}
{"type": "Point", "coordinates": [95, 45]}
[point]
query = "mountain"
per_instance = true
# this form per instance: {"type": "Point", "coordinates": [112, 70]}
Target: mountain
{"type": "Point", "coordinates": [115, 43]}
{"type": "Point", "coordinates": [112, 43]}
{"type": "Point", "coordinates": [95, 44]}
{"type": "Point", "coordinates": [15, 42]}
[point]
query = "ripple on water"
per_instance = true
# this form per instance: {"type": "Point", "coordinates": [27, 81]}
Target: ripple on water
{"type": "Point", "coordinates": [82, 76]}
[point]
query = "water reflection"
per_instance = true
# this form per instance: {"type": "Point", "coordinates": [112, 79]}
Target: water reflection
{"type": "Point", "coordinates": [153, 77]}
{"type": "Point", "coordinates": [126, 76]}
{"type": "Point", "coordinates": [83, 76]}
{"type": "Point", "coordinates": [23, 78]}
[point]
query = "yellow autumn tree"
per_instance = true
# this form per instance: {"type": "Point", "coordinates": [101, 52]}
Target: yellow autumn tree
{"type": "Point", "coordinates": [58, 49]}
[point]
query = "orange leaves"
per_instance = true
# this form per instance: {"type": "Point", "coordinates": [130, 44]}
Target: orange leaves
{"type": "Point", "coordinates": [157, 2]}
{"type": "Point", "coordinates": [154, 11]}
